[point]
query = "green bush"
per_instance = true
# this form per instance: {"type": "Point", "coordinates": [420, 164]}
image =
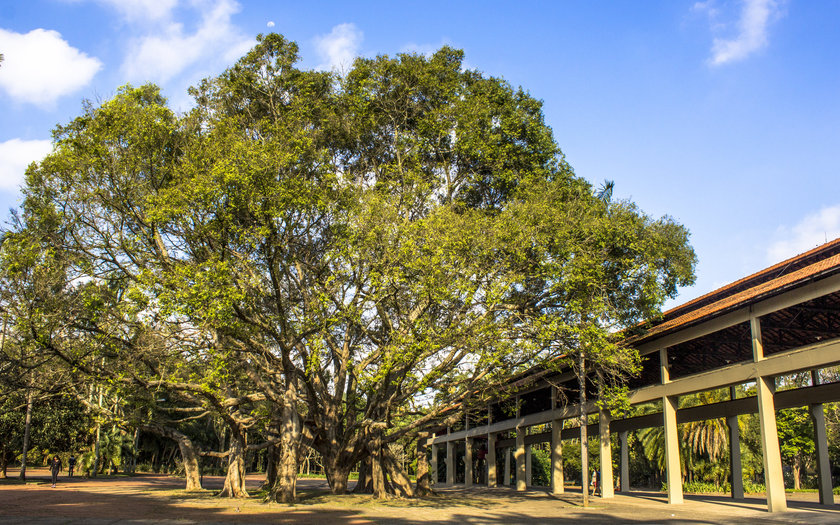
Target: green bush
{"type": "Point", "coordinates": [837, 490]}
{"type": "Point", "coordinates": [700, 487]}
{"type": "Point", "coordinates": [704, 487]}
{"type": "Point", "coordinates": [753, 488]}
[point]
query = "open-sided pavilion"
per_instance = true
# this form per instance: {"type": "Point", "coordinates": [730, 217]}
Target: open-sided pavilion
{"type": "Point", "coordinates": [777, 322]}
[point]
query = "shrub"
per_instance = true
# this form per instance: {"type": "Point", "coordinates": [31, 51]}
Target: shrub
{"type": "Point", "coordinates": [753, 488]}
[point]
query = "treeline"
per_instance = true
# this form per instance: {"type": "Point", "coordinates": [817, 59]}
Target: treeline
{"type": "Point", "coordinates": [315, 261]}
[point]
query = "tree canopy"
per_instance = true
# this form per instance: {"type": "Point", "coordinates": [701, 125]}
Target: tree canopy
{"type": "Point", "coordinates": [338, 261]}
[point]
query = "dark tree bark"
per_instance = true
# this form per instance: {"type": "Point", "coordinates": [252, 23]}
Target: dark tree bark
{"type": "Point", "coordinates": [272, 458]}
{"type": "Point", "coordinates": [234, 486]}
{"type": "Point", "coordinates": [584, 442]}
{"type": "Point", "coordinates": [365, 484]}
{"type": "Point", "coordinates": [424, 479]}
{"type": "Point", "coordinates": [188, 453]}
{"type": "Point", "coordinates": [285, 488]}
{"type": "Point", "coordinates": [399, 482]}
{"type": "Point", "coordinates": [377, 473]}
{"type": "Point", "coordinates": [27, 424]}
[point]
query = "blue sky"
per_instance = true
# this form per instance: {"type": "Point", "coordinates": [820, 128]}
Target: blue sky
{"type": "Point", "coordinates": [722, 114]}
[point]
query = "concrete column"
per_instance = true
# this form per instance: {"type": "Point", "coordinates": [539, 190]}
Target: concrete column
{"type": "Point", "coordinates": [821, 445]}
{"type": "Point", "coordinates": [491, 460]}
{"type": "Point", "coordinates": [735, 452]}
{"type": "Point", "coordinates": [519, 455]}
{"type": "Point", "coordinates": [468, 464]}
{"type": "Point", "coordinates": [673, 474]}
{"type": "Point", "coordinates": [450, 462]}
{"type": "Point", "coordinates": [765, 387]}
{"type": "Point", "coordinates": [773, 479]}
{"type": "Point", "coordinates": [607, 484]}
{"type": "Point", "coordinates": [625, 463]}
{"type": "Point", "coordinates": [557, 481]}
{"type": "Point", "coordinates": [506, 481]}
{"type": "Point", "coordinates": [672, 450]}
{"type": "Point", "coordinates": [434, 465]}
{"type": "Point", "coordinates": [529, 479]}
{"type": "Point", "coordinates": [735, 457]}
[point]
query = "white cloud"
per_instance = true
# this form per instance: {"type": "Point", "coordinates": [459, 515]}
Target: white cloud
{"type": "Point", "coordinates": [15, 156]}
{"type": "Point", "coordinates": [338, 49]}
{"type": "Point", "coordinates": [40, 66]}
{"type": "Point", "coordinates": [136, 10]}
{"type": "Point", "coordinates": [163, 55]}
{"type": "Point", "coordinates": [753, 23]}
{"type": "Point", "coordinates": [270, 23]}
{"type": "Point", "coordinates": [813, 230]}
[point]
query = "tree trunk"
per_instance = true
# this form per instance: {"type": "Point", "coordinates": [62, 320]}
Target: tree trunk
{"type": "Point", "coordinates": [797, 472]}
{"type": "Point", "coordinates": [96, 447]}
{"type": "Point", "coordinates": [338, 472]}
{"type": "Point", "coordinates": [190, 459]}
{"type": "Point", "coordinates": [234, 486]}
{"type": "Point", "coordinates": [4, 461]}
{"type": "Point", "coordinates": [377, 474]}
{"type": "Point", "coordinates": [424, 480]}
{"type": "Point", "coordinates": [365, 484]}
{"type": "Point", "coordinates": [136, 443]}
{"type": "Point", "coordinates": [285, 489]}
{"type": "Point", "coordinates": [400, 483]}
{"type": "Point", "coordinates": [272, 458]}
{"type": "Point", "coordinates": [584, 442]}
{"type": "Point", "coordinates": [26, 425]}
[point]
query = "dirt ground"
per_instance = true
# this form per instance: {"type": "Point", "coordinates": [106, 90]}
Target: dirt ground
{"type": "Point", "coordinates": [152, 498]}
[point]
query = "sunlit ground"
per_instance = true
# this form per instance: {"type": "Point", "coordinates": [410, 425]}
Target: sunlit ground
{"type": "Point", "coordinates": [161, 498]}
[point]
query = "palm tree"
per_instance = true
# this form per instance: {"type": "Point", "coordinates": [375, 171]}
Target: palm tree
{"type": "Point", "coordinates": [709, 437]}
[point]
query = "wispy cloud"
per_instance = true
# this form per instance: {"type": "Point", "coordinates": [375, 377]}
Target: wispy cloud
{"type": "Point", "coordinates": [141, 10]}
{"type": "Point", "coordinates": [169, 50]}
{"type": "Point", "coordinates": [40, 66]}
{"type": "Point", "coordinates": [338, 49]}
{"type": "Point", "coordinates": [751, 30]}
{"type": "Point", "coordinates": [813, 230]}
{"type": "Point", "coordinates": [15, 156]}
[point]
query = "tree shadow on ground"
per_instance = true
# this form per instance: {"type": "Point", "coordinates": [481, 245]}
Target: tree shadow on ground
{"type": "Point", "coordinates": [162, 499]}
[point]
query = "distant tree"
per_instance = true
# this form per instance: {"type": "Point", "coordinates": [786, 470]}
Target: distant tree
{"type": "Point", "coordinates": [796, 439]}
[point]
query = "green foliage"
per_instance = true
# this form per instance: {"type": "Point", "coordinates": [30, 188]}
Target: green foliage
{"type": "Point", "coordinates": [369, 250]}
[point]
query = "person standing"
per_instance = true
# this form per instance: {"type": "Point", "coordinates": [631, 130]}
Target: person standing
{"type": "Point", "coordinates": [71, 465]}
{"type": "Point", "coordinates": [55, 468]}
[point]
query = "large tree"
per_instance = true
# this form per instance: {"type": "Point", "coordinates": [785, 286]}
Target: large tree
{"type": "Point", "coordinates": [361, 254]}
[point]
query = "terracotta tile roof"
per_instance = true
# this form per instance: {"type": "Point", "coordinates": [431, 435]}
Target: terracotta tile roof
{"type": "Point", "coordinates": [822, 260]}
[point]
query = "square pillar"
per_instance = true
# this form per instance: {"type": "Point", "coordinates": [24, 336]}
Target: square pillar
{"type": "Point", "coordinates": [491, 460]}
{"type": "Point", "coordinates": [673, 473]}
{"type": "Point", "coordinates": [450, 462]}
{"type": "Point", "coordinates": [468, 463]}
{"type": "Point", "coordinates": [607, 485]}
{"type": "Point", "coordinates": [506, 481]}
{"type": "Point", "coordinates": [434, 465]}
{"type": "Point", "coordinates": [529, 480]}
{"type": "Point", "coordinates": [519, 455]}
{"type": "Point", "coordinates": [557, 481]}
{"type": "Point", "coordinates": [735, 457]}
{"type": "Point", "coordinates": [771, 455]}
{"type": "Point", "coordinates": [735, 467]}
{"type": "Point", "coordinates": [624, 478]}
{"type": "Point", "coordinates": [821, 446]}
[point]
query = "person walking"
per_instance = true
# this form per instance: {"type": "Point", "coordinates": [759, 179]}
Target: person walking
{"type": "Point", "coordinates": [71, 465]}
{"type": "Point", "coordinates": [55, 468]}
